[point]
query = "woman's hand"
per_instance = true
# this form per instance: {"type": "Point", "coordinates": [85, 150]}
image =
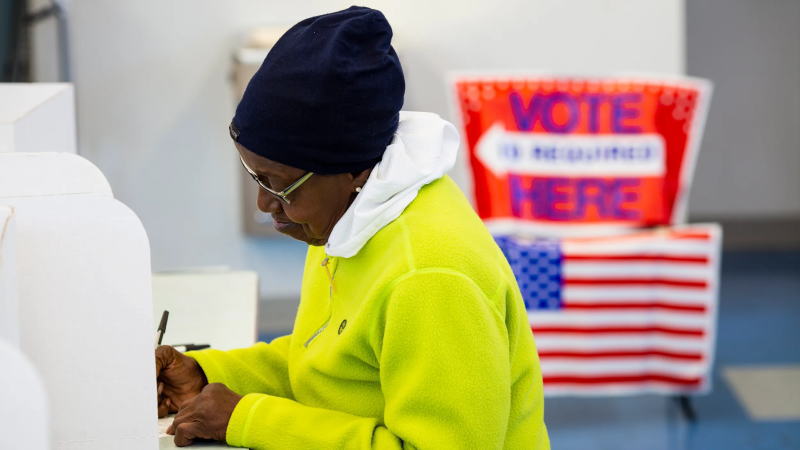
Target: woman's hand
{"type": "Point", "coordinates": [206, 416]}
{"type": "Point", "coordinates": [179, 379]}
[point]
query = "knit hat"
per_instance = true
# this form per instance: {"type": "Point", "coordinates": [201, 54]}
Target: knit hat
{"type": "Point", "coordinates": [328, 95]}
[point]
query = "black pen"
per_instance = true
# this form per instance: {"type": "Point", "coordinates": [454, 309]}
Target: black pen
{"type": "Point", "coordinates": [162, 327]}
{"type": "Point", "coordinates": [190, 347]}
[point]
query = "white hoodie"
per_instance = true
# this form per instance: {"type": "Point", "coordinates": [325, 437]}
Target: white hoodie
{"type": "Point", "coordinates": [424, 148]}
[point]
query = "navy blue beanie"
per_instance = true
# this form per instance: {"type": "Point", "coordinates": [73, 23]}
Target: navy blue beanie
{"type": "Point", "coordinates": [328, 95]}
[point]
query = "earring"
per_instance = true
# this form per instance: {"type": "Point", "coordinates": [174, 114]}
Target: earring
{"type": "Point", "coordinates": [358, 189]}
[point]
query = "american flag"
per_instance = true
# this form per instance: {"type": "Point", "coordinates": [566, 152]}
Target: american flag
{"type": "Point", "coordinates": [622, 314]}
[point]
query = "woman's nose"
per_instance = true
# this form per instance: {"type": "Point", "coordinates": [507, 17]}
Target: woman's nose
{"type": "Point", "coordinates": [267, 202]}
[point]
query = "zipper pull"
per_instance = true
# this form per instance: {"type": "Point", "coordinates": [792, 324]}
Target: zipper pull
{"type": "Point", "coordinates": [328, 271]}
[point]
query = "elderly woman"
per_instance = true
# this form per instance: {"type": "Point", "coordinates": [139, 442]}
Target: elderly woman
{"type": "Point", "coordinates": [411, 331]}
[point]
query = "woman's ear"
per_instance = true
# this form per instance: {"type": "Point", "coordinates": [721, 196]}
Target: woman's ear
{"type": "Point", "coordinates": [360, 178]}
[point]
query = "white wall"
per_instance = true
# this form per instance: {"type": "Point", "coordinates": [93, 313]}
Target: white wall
{"type": "Point", "coordinates": [154, 101]}
{"type": "Point", "coordinates": [750, 161]}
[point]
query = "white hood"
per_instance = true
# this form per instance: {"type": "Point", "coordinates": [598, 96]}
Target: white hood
{"type": "Point", "coordinates": [423, 150]}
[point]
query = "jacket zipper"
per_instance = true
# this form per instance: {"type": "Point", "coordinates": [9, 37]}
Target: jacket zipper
{"type": "Point", "coordinates": [330, 301]}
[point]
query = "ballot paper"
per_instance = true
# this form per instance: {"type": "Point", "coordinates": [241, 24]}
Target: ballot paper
{"type": "Point", "coordinates": [163, 424]}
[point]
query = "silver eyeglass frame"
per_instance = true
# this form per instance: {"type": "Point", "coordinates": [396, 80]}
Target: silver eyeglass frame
{"type": "Point", "coordinates": [280, 195]}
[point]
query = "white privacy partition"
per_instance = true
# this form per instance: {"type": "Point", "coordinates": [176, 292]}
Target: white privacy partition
{"type": "Point", "coordinates": [85, 301]}
{"type": "Point", "coordinates": [9, 317]}
{"type": "Point", "coordinates": [37, 117]}
{"type": "Point", "coordinates": [23, 409]}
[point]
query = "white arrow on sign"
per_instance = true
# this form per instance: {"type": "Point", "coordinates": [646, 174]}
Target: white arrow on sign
{"type": "Point", "coordinates": [607, 155]}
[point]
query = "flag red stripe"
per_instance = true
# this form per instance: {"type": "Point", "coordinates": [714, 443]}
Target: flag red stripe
{"type": "Point", "coordinates": [617, 330]}
{"type": "Point", "coordinates": [655, 352]}
{"type": "Point", "coordinates": [694, 308]}
{"type": "Point", "coordinates": [697, 284]}
{"type": "Point", "coordinates": [668, 234]}
{"type": "Point", "coordinates": [691, 235]}
{"type": "Point", "coordinates": [638, 378]}
{"type": "Point", "coordinates": [642, 258]}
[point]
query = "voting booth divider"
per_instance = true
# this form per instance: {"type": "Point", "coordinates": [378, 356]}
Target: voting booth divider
{"type": "Point", "coordinates": [81, 274]}
{"type": "Point", "coordinates": [9, 317]}
{"type": "Point", "coordinates": [23, 409]}
{"type": "Point", "coordinates": [584, 183]}
{"type": "Point", "coordinates": [76, 292]}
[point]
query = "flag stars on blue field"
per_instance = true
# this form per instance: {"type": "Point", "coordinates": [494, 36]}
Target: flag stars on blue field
{"type": "Point", "coordinates": [537, 266]}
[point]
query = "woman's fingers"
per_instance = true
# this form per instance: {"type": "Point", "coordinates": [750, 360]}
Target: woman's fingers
{"type": "Point", "coordinates": [186, 433]}
{"type": "Point", "coordinates": [180, 418]}
{"type": "Point", "coordinates": [206, 416]}
{"type": "Point", "coordinates": [179, 379]}
{"type": "Point", "coordinates": [166, 406]}
{"type": "Point", "coordinates": [163, 409]}
{"type": "Point", "coordinates": [185, 415]}
{"type": "Point", "coordinates": [164, 355]}
{"type": "Point", "coordinates": [171, 427]}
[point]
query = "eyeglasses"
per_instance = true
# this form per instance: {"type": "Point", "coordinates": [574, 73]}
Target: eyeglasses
{"type": "Point", "coordinates": [280, 195]}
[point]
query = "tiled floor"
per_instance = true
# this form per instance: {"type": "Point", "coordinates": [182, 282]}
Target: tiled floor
{"type": "Point", "coordinates": [759, 326]}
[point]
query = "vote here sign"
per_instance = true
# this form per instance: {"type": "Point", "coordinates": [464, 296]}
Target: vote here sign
{"type": "Point", "coordinates": [562, 155]}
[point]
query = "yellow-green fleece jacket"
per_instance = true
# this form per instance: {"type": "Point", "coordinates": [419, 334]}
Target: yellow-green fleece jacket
{"type": "Point", "coordinates": [420, 341]}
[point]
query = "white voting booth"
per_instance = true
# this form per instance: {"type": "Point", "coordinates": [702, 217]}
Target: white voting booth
{"type": "Point", "coordinates": [76, 272]}
{"type": "Point", "coordinates": [84, 300]}
{"type": "Point", "coordinates": [76, 292]}
{"type": "Point", "coordinates": [24, 403]}
{"type": "Point", "coordinates": [23, 409]}
{"type": "Point", "coordinates": [9, 317]}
